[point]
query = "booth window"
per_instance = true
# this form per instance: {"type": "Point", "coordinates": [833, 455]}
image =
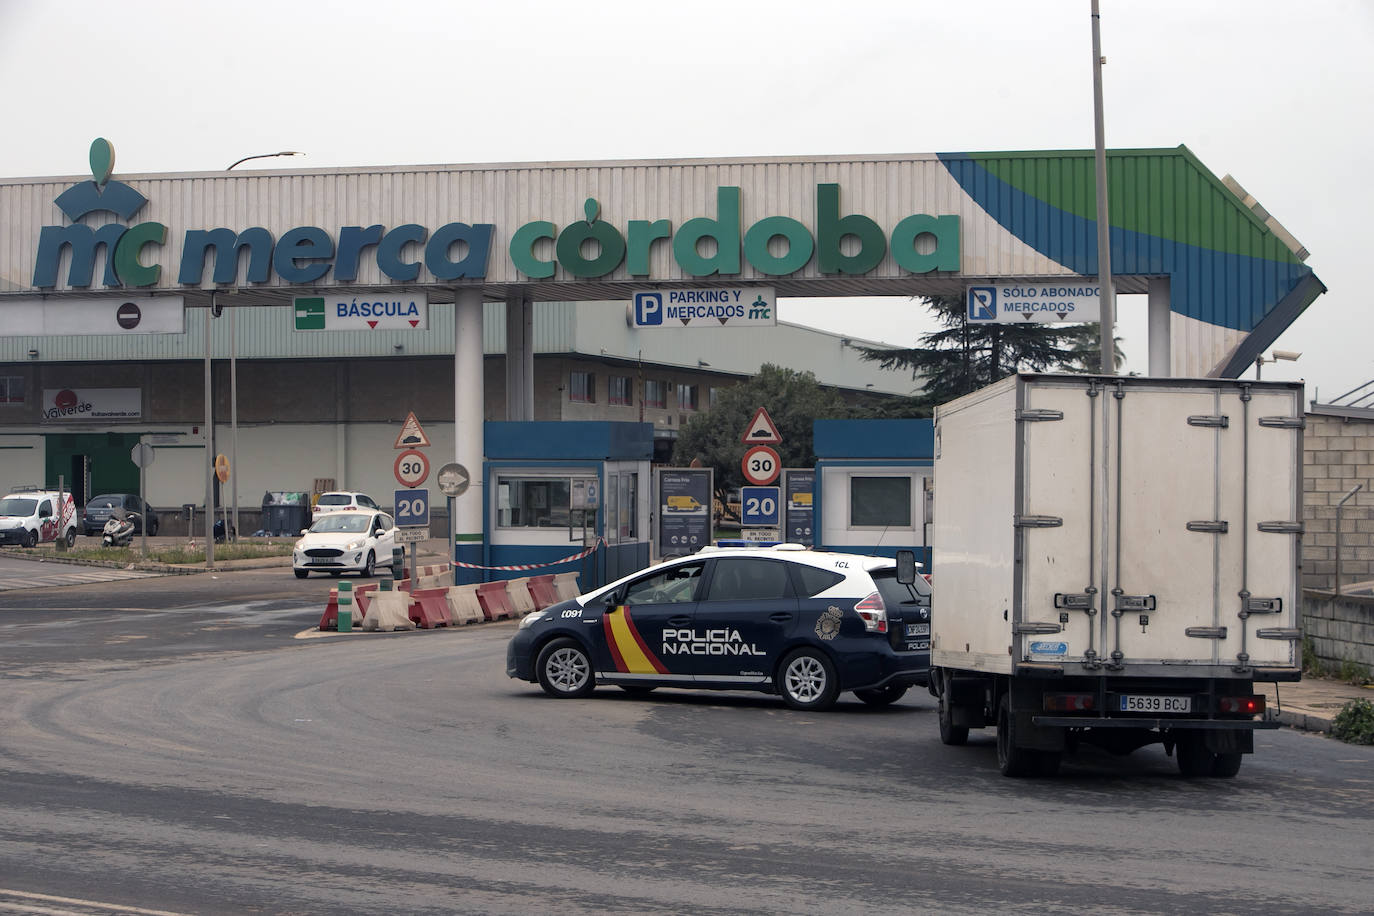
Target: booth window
{"type": "Point", "coordinates": [655, 393]}
{"type": "Point", "coordinates": [539, 502]}
{"type": "Point", "coordinates": [686, 397]}
{"type": "Point", "coordinates": [582, 387]}
{"type": "Point", "coordinates": [880, 502]}
{"type": "Point", "coordinates": [11, 389]}
{"type": "Point", "coordinates": [620, 390]}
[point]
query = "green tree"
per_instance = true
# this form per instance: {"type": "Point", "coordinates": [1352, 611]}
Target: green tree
{"type": "Point", "coordinates": [964, 356]}
{"type": "Point", "coordinates": [793, 399]}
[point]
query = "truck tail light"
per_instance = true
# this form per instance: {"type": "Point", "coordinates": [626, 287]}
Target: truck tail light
{"type": "Point", "coordinates": [1069, 702]}
{"type": "Point", "coordinates": [874, 613]}
{"type": "Point", "coordinates": [1246, 706]}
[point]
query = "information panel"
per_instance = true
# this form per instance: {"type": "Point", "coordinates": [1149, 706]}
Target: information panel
{"type": "Point", "coordinates": [684, 510]}
{"type": "Point", "coordinates": [798, 486]}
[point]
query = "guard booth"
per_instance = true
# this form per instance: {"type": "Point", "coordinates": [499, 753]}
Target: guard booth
{"type": "Point", "coordinates": [874, 486]}
{"type": "Point", "coordinates": [557, 489]}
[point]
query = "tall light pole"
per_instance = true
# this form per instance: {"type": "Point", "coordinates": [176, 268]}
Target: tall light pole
{"type": "Point", "coordinates": [234, 376]}
{"type": "Point", "coordinates": [1104, 242]}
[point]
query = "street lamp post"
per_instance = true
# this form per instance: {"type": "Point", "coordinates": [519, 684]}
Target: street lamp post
{"type": "Point", "coordinates": [1274, 356]}
{"type": "Point", "coordinates": [234, 377]}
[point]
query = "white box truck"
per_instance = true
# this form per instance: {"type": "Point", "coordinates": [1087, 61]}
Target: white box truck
{"type": "Point", "coordinates": [1116, 562]}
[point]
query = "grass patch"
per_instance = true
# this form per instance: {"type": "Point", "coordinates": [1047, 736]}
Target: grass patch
{"type": "Point", "coordinates": [1349, 670]}
{"type": "Point", "coordinates": [179, 555]}
{"type": "Point", "coordinates": [1354, 724]}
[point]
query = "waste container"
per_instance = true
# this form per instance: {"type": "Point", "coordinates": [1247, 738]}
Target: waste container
{"type": "Point", "coordinates": [285, 512]}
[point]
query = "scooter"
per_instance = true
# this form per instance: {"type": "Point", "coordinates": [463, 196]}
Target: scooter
{"type": "Point", "coordinates": [117, 533]}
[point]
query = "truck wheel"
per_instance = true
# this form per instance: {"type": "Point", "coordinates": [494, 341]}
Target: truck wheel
{"type": "Point", "coordinates": [564, 669]}
{"type": "Point", "coordinates": [1012, 760]}
{"type": "Point", "coordinates": [1194, 759]}
{"type": "Point", "coordinates": [950, 733]}
{"type": "Point", "coordinates": [882, 696]}
{"type": "Point", "coordinates": [807, 680]}
{"type": "Point", "coordinates": [1226, 765]}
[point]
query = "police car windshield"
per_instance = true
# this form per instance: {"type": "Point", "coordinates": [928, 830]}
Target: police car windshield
{"type": "Point", "coordinates": [17, 506]}
{"type": "Point", "coordinates": [342, 523]}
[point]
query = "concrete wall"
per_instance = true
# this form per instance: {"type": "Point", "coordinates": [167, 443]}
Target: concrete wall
{"type": "Point", "coordinates": [1340, 628]}
{"type": "Point", "coordinates": [1336, 456]}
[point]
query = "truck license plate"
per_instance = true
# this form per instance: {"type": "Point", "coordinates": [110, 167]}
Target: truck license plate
{"type": "Point", "coordinates": [918, 629]}
{"type": "Point", "coordinates": [1136, 703]}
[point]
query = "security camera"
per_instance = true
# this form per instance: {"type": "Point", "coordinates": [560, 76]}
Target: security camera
{"type": "Point", "coordinates": [1286, 354]}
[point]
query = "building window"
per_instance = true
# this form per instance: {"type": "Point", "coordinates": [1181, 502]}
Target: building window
{"type": "Point", "coordinates": [11, 389]}
{"type": "Point", "coordinates": [620, 390]}
{"type": "Point", "coordinates": [539, 502]}
{"type": "Point", "coordinates": [582, 387]}
{"type": "Point", "coordinates": [686, 397]}
{"type": "Point", "coordinates": [655, 393]}
{"type": "Point", "coordinates": [711, 396]}
{"type": "Point", "coordinates": [880, 502]}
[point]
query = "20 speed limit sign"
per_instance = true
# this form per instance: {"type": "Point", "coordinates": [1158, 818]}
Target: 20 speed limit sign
{"type": "Point", "coordinates": [761, 465]}
{"type": "Point", "coordinates": [412, 468]}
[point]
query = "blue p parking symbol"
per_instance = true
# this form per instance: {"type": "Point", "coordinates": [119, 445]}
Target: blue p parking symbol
{"type": "Point", "coordinates": [648, 309]}
{"type": "Point", "coordinates": [982, 303]}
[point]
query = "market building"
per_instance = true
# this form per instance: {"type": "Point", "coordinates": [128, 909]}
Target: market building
{"type": "Point", "coordinates": [346, 291]}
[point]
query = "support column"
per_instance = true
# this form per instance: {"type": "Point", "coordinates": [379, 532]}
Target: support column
{"type": "Point", "coordinates": [1161, 365]}
{"type": "Point", "coordinates": [469, 402]}
{"type": "Point", "coordinates": [519, 358]}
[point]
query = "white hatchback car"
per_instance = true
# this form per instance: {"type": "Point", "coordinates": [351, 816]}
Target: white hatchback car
{"type": "Point", "coordinates": [341, 500]}
{"type": "Point", "coordinates": [346, 541]}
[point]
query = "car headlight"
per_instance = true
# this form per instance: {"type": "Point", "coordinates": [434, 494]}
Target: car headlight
{"type": "Point", "coordinates": [356, 544]}
{"type": "Point", "coordinates": [530, 620]}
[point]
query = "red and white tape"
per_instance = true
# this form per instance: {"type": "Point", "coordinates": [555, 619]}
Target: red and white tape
{"type": "Point", "coordinates": [524, 566]}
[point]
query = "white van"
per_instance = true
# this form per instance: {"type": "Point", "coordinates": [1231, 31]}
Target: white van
{"type": "Point", "coordinates": [28, 517]}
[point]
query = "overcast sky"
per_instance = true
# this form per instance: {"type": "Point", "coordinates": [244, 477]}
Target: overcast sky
{"type": "Point", "coordinates": [1277, 94]}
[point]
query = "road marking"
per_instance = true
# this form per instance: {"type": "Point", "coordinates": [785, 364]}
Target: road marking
{"type": "Point", "coordinates": [85, 576]}
{"type": "Point", "coordinates": [66, 906]}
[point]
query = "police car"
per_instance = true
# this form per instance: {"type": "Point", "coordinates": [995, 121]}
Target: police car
{"type": "Point", "coordinates": [804, 624]}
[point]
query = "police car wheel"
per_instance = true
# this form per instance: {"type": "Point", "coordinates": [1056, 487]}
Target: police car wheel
{"type": "Point", "coordinates": [882, 696]}
{"type": "Point", "coordinates": [807, 680]}
{"type": "Point", "coordinates": [564, 670]}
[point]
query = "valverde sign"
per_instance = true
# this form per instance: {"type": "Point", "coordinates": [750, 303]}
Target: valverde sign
{"type": "Point", "coordinates": [588, 248]}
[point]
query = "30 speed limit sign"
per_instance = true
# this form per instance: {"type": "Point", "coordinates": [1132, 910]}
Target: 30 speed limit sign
{"type": "Point", "coordinates": [761, 465]}
{"type": "Point", "coordinates": [412, 468]}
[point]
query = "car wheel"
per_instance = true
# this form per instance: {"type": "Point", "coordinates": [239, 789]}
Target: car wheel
{"type": "Point", "coordinates": [807, 680]}
{"type": "Point", "coordinates": [882, 696]}
{"type": "Point", "coordinates": [564, 669]}
{"type": "Point", "coordinates": [152, 527]}
{"type": "Point", "coordinates": [950, 733]}
{"type": "Point", "coordinates": [30, 539]}
{"type": "Point", "coordinates": [370, 567]}
{"type": "Point", "coordinates": [301, 573]}
{"type": "Point", "coordinates": [71, 538]}
{"type": "Point", "coordinates": [1012, 760]}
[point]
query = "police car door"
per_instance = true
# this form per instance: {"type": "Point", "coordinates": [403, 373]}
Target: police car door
{"type": "Point", "coordinates": [743, 620]}
{"type": "Point", "coordinates": [643, 624]}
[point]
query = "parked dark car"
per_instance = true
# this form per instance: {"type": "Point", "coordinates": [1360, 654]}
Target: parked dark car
{"type": "Point", "coordinates": [99, 508]}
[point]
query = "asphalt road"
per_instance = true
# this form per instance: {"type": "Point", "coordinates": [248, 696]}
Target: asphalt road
{"type": "Point", "coordinates": [170, 744]}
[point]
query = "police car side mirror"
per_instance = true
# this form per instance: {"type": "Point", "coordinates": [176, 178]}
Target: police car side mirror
{"type": "Point", "coordinates": [906, 567]}
{"type": "Point", "coordinates": [610, 602]}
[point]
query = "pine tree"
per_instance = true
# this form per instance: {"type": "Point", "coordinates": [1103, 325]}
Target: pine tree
{"type": "Point", "coordinates": [964, 356]}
